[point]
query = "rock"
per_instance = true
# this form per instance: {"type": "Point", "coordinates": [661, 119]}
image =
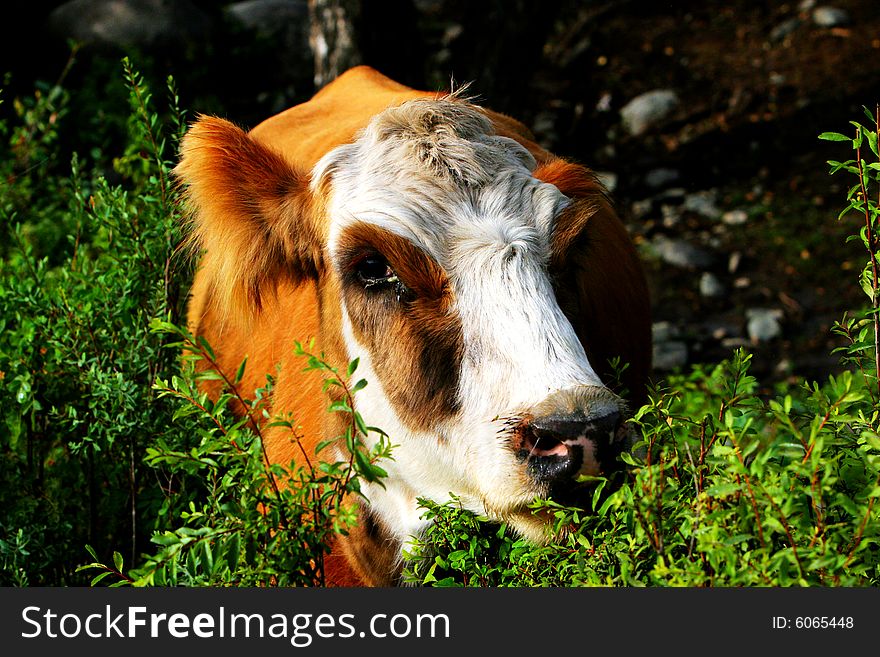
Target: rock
{"type": "Point", "coordinates": [641, 209]}
{"type": "Point", "coordinates": [681, 253]}
{"type": "Point", "coordinates": [671, 215]}
{"type": "Point", "coordinates": [279, 29]}
{"type": "Point", "coordinates": [429, 6]}
{"type": "Point", "coordinates": [720, 329]}
{"type": "Point", "coordinates": [710, 286]}
{"type": "Point", "coordinates": [647, 110]}
{"type": "Point", "coordinates": [663, 331]}
{"type": "Point", "coordinates": [784, 367]}
{"type": "Point", "coordinates": [763, 324]}
{"type": "Point", "coordinates": [657, 178]}
{"type": "Point", "coordinates": [670, 355]}
{"type": "Point", "coordinates": [830, 17]}
{"type": "Point", "coordinates": [608, 179]}
{"type": "Point", "coordinates": [604, 103]}
{"type": "Point", "coordinates": [777, 79]}
{"type": "Point", "coordinates": [669, 352]}
{"type": "Point", "coordinates": [126, 23]}
{"type": "Point", "coordinates": [734, 261]}
{"type": "Point", "coordinates": [734, 343]}
{"type": "Point", "coordinates": [735, 217]}
{"type": "Point", "coordinates": [784, 29]}
{"type": "Point", "coordinates": [703, 203]}
{"type": "Point", "coordinates": [674, 195]}
{"type": "Point", "coordinates": [268, 17]}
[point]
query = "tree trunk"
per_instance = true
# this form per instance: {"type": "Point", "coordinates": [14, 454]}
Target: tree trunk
{"type": "Point", "coordinates": [333, 37]}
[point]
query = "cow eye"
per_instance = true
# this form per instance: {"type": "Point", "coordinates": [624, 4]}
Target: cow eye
{"type": "Point", "coordinates": [374, 270]}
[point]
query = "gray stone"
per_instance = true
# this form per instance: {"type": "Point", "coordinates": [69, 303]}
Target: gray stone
{"type": "Point", "coordinates": [681, 253]}
{"type": "Point", "coordinates": [830, 17]}
{"type": "Point", "coordinates": [125, 23]}
{"type": "Point", "coordinates": [647, 110]}
{"type": "Point", "coordinates": [784, 29]}
{"type": "Point", "coordinates": [670, 355]}
{"type": "Point", "coordinates": [271, 16]}
{"type": "Point", "coordinates": [608, 179]}
{"type": "Point", "coordinates": [764, 324]}
{"type": "Point", "coordinates": [657, 178]}
{"type": "Point", "coordinates": [777, 79]}
{"type": "Point", "coordinates": [671, 215]}
{"type": "Point", "coordinates": [735, 217]}
{"type": "Point", "coordinates": [641, 209]}
{"type": "Point", "coordinates": [703, 203]}
{"type": "Point", "coordinates": [663, 331]}
{"type": "Point", "coordinates": [673, 195]}
{"type": "Point", "coordinates": [734, 261]}
{"type": "Point", "coordinates": [710, 286]}
{"type": "Point", "coordinates": [720, 329]}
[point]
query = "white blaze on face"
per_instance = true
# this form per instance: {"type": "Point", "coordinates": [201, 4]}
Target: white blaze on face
{"type": "Point", "coordinates": [520, 347]}
{"type": "Point", "coordinates": [433, 172]}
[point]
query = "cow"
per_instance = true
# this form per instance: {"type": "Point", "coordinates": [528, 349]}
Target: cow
{"type": "Point", "coordinates": [484, 284]}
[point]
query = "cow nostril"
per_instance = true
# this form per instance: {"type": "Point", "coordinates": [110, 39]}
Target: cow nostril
{"type": "Point", "coordinates": [556, 446]}
{"type": "Point", "coordinates": [543, 443]}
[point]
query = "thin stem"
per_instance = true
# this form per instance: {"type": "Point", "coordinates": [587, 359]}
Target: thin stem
{"type": "Point", "coordinates": [872, 251]}
{"type": "Point", "coordinates": [246, 406]}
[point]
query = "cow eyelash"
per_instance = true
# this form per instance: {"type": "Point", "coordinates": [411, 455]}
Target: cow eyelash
{"type": "Point", "coordinates": [374, 271]}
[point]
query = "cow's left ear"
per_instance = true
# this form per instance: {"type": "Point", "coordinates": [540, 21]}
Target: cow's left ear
{"type": "Point", "coordinates": [598, 278]}
{"type": "Point", "coordinates": [252, 215]}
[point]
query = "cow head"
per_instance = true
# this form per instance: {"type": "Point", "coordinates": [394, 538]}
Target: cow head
{"type": "Point", "coordinates": [480, 291]}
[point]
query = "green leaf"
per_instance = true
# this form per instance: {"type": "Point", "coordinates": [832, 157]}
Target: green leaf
{"type": "Point", "coordinates": [203, 343]}
{"type": "Point", "coordinates": [97, 578]}
{"type": "Point", "coordinates": [872, 141]}
{"type": "Point", "coordinates": [323, 444]}
{"type": "Point", "coordinates": [834, 136]}
{"type": "Point", "coordinates": [239, 374]}
{"type": "Point", "coordinates": [339, 406]}
{"type": "Point", "coordinates": [722, 490]}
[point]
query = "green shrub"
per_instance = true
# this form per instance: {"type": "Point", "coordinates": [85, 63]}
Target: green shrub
{"type": "Point", "coordinates": [88, 266]}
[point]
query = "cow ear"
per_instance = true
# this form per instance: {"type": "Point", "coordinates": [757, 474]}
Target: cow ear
{"type": "Point", "coordinates": [599, 279]}
{"type": "Point", "coordinates": [252, 215]}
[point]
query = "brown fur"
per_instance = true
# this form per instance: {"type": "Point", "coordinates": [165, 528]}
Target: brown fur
{"type": "Point", "coordinates": [264, 280]}
{"type": "Point", "coordinates": [414, 343]}
{"type": "Point", "coordinates": [598, 280]}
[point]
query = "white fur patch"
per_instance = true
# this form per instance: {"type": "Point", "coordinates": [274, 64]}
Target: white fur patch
{"type": "Point", "coordinates": [433, 172]}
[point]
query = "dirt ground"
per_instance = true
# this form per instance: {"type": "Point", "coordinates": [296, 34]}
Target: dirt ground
{"type": "Point", "coordinates": [757, 83]}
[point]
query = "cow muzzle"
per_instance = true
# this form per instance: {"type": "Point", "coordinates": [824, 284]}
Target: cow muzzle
{"type": "Point", "coordinates": [560, 445]}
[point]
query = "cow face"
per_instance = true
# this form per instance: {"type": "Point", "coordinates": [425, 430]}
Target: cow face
{"type": "Point", "coordinates": [471, 284]}
{"type": "Point", "coordinates": [445, 249]}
